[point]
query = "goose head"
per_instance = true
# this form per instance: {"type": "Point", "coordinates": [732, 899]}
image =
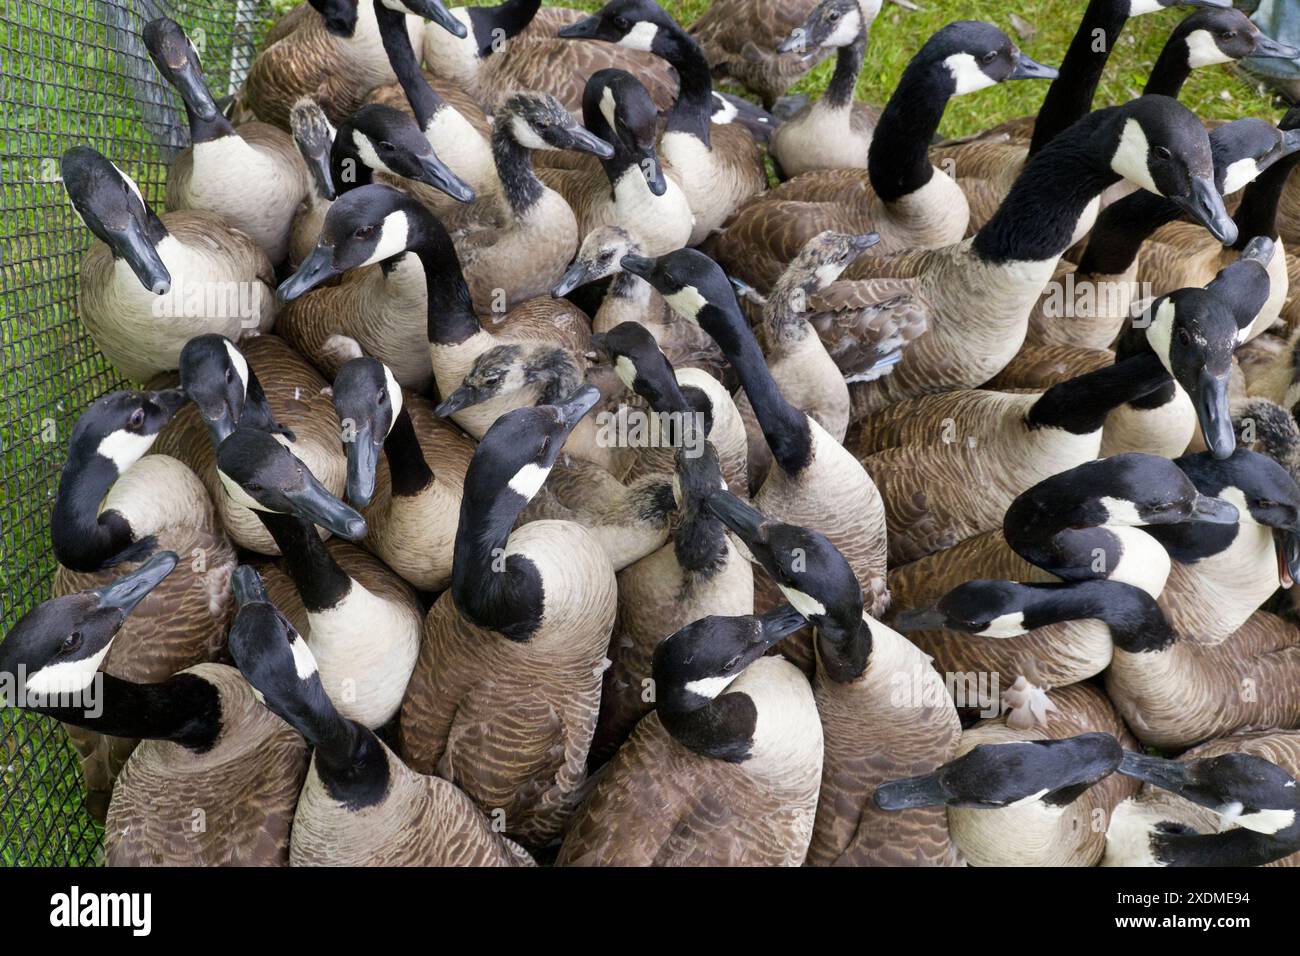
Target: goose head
{"type": "Point", "coordinates": [693, 668]}
{"type": "Point", "coordinates": [386, 140]}
{"type": "Point", "coordinates": [969, 55]}
{"type": "Point", "coordinates": [823, 260]}
{"type": "Point", "coordinates": [261, 474]}
{"type": "Point", "coordinates": [538, 121]}
{"type": "Point", "coordinates": [993, 776]}
{"type": "Point", "coordinates": [178, 62]}
{"type": "Point", "coordinates": [366, 225]}
{"type": "Point", "coordinates": [122, 426]}
{"type": "Point", "coordinates": [1128, 490]}
{"type": "Point", "coordinates": [215, 376]}
{"type": "Point", "coordinates": [313, 134]}
{"type": "Point", "coordinates": [56, 648]}
{"type": "Point", "coordinates": [694, 286]}
{"type": "Point", "coordinates": [832, 24]}
{"type": "Point", "coordinates": [109, 203]}
{"type": "Point", "coordinates": [601, 254]}
{"type": "Point", "coordinates": [1246, 791]}
{"type": "Point", "coordinates": [1222, 35]}
{"type": "Point", "coordinates": [1159, 145]}
{"type": "Point", "coordinates": [617, 107]}
{"type": "Point", "coordinates": [984, 608]}
{"type": "Point", "coordinates": [640, 364]}
{"type": "Point", "coordinates": [550, 371]}
{"type": "Point", "coordinates": [368, 401]}
{"type": "Point", "coordinates": [1245, 148]}
{"type": "Point", "coordinates": [434, 11]}
{"type": "Point", "coordinates": [635, 24]}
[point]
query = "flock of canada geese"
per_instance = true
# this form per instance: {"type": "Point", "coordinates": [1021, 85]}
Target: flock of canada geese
{"type": "Point", "coordinates": [894, 557]}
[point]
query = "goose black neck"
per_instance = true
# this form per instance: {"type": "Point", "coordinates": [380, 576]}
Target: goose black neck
{"type": "Point", "coordinates": [1080, 405]}
{"type": "Point", "coordinates": [494, 592]}
{"type": "Point", "coordinates": [1120, 230]}
{"type": "Point", "coordinates": [659, 387]}
{"type": "Point", "coordinates": [785, 428]}
{"type": "Point", "coordinates": [257, 408]}
{"type": "Point", "coordinates": [1257, 214]}
{"type": "Point", "coordinates": [693, 110]}
{"type": "Point", "coordinates": [1135, 621]}
{"type": "Point", "coordinates": [1132, 342]}
{"type": "Point", "coordinates": [451, 319]}
{"type": "Point", "coordinates": [700, 541]}
{"type": "Point", "coordinates": [85, 539]}
{"type": "Point", "coordinates": [406, 66]}
{"type": "Point", "coordinates": [409, 472]}
{"type": "Point", "coordinates": [1069, 98]}
{"type": "Point", "coordinates": [505, 21]}
{"type": "Point", "coordinates": [898, 161]}
{"type": "Point", "coordinates": [184, 709]}
{"type": "Point", "coordinates": [1036, 221]}
{"type": "Point", "coordinates": [845, 659]}
{"type": "Point", "coordinates": [844, 81]}
{"type": "Point", "coordinates": [207, 130]}
{"type": "Point", "coordinates": [721, 728]}
{"type": "Point", "coordinates": [1239, 847]}
{"type": "Point", "coordinates": [514, 161]}
{"type": "Point", "coordinates": [321, 583]}
{"type": "Point", "coordinates": [1171, 70]}
{"type": "Point", "coordinates": [346, 168]}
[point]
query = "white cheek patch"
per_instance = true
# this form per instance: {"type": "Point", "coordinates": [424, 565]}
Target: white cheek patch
{"type": "Point", "coordinates": [66, 677]}
{"type": "Point", "coordinates": [803, 603]}
{"type": "Point", "coordinates": [1237, 498]}
{"type": "Point", "coordinates": [1239, 174]}
{"type": "Point", "coordinates": [1139, 7]}
{"type": "Point", "coordinates": [1160, 332]}
{"type": "Point", "coordinates": [304, 664]}
{"type": "Point", "coordinates": [369, 155]}
{"type": "Point", "coordinates": [1130, 159]}
{"type": "Point", "coordinates": [608, 106]}
{"type": "Point", "coordinates": [526, 136]}
{"type": "Point", "coordinates": [124, 448]}
{"type": "Point", "coordinates": [528, 480]}
{"type": "Point", "coordinates": [1120, 512]}
{"type": "Point", "coordinates": [687, 302]}
{"type": "Point", "coordinates": [1005, 625]}
{"type": "Point", "coordinates": [724, 111]}
{"type": "Point", "coordinates": [239, 363]}
{"type": "Point", "coordinates": [1261, 821]}
{"type": "Point", "coordinates": [394, 394]}
{"type": "Point", "coordinates": [846, 31]}
{"type": "Point", "coordinates": [966, 74]}
{"type": "Point", "coordinates": [677, 489]}
{"type": "Point", "coordinates": [1203, 51]}
{"type": "Point", "coordinates": [131, 184]}
{"type": "Point", "coordinates": [1029, 799]}
{"type": "Point", "coordinates": [393, 235]}
{"type": "Point", "coordinates": [625, 370]}
{"type": "Point", "coordinates": [236, 493]}
{"type": "Point", "coordinates": [708, 687]}
{"type": "Point", "coordinates": [640, 37]}
{"type": "Point", "coordinates": [195, 50]}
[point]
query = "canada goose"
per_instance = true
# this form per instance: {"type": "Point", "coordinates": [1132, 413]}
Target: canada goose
{"type": "Point", "coordinates": [1076, 527]}
{"type": "Point", "coordinates": [1222, 575]}
{"type": "Point", "coordinates": [377, 223]}
{"type": "Point", "coordinates": [988, 170]}
{"type": "Point", "coordinates": [360, 805]}
{"type": "Point", "coordinates": [699, 572]}
{"type": "Point", "coordinates": [1017, 799]}
{"type": "Point", "coordinates": [333, 54]}
{"type": "Point", "coordinates": [260, 386]}
{"type": "Point", "coordinates": [522, 630]}
{"type": "Point", "coordinates": [150, 284]}
{"type": "Point", "coordinates": [1176, 256]}
{"type": "Point", "coordinates": [630, 298]}
{"type": "Point", "coordinates": [719, 166]}
{"type": "Point", "coordinates": [725, 771]}
{"type": "Point", "coordinates": [1152, 140]}
{"type": "Point", "coordinates": [412, 522]}
{"type": "Point", "coordinates": [814, 482]}
{"type": "Point", "coordinates": [365, 633]}
{"type": "Point", "coordinates": [834, 132]}
{"type": "Point", "coordinates": [375, 139]}
{"type": "Point", "coordinates": [213, 173]}
{"type": "Point", "coordinates": [116, 507]}
{"type": "Point", "coordinates": [1230, 802]}
{"type": "Point", "coordinates": [502, 53]}
{"type": "Point", "coordinates": [644, 368]}
{"type": "Point", "coordinates": [211, 753]}
{"type": "Point", "coordinates": [901, 195]}
{"type": "Point", "coordinates": [631, 189]}
{"type": "Point", "coordinates": [884, 709]}
{"type": "Point", "coordinates": [313, 134]}
{"type": "Point", "coordinates": [741, 39]}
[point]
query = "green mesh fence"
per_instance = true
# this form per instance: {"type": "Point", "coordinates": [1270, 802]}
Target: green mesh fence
{"type": "Point", "coordinates": [71, 72]}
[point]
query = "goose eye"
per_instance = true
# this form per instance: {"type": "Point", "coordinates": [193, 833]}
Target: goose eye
{"type": "Point", "coordinates": [387, 146]}
{"type": "Point", "coordinates": [833, 16]}
{"type": "Point", "coordinates": [382, 396]}
{"type": "Point", "coordinates": [1162, 152]}
{"type": "Point", "coordinates": [252, 487]}
{"type": "Point", "coordinates": [230, 375]}
{"type": "Point", "coordinates": [1228, 34]}
{"type": "Point", "coordinates": [137, 418]}
{"type": "Point", "coordinates": [731, 664]}
{"type": "Point", "coordinates": [989, 57]}
{"type": "Point", "coordinates": [1184, 337]}
{"type": "Point", "coordinates": [71, 642]}
{"type": "Point", "coordinates": [365, 232]}
{"type": "Point", "coordinates": [623, 23]}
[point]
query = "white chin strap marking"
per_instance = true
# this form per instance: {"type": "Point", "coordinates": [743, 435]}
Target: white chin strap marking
{"type": "Point", "coordinates": [1160, 332]}
{"type": "Point", "coordinates": [239, 363]}
{"type": "Point", "coordinates": [1121, 512]}
{"type": "Point", "coordinates": [708, 687]}
{"type": "Point", "coordinates": [393, 235]}
{"type": "Point", "coordinates": [236, 493]}
{"type": "Point", "coordinates": [369, 155]}
{"type": "Point", "coordinates": [966, 74]}
{"type": "Point", "coordinates": [1139, 7]}
{"type": "Point", "coordinates": [1203, 51]}
{"type": "Point", "coordinates": [687, 302]}
{"type": "Point", "coordinates": [1261, 821]}
{"type": "Point", "coordinates": [526, 136]}
{"type": "Point", "coordinates": [1006, 625]}
{"type": "Point", "coordinates": [846, 31]}
{"type": "Point", "coordinates": [625, 369]}
{"type": "Point", "coordinates": [528, 480]}
{"type": "Point", "coordinates": [66, 677]}
{"type": "Point", "coordinates": [394, 396]}
{"type": "Point", "coordinates": [803, 603]}
{"type": "Point", "coordinates": [1130, 159]}
{"type": "Point", "coordinates": [1239, 174]}
{"type": "Point", "coordinates": [304, 663]}
{"type": "Point", "coordinates": [131, 183]}
{"type": "Point", "coordinates": [640, 37]}
{"type": "Point", "coordinates": [608, 106]}
{"type": "Point", "coordinates": [124, 448]}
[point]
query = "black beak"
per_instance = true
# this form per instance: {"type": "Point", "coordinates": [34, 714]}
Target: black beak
{"type": "Point", "coordinates": [130, 589]}
{"type": "Point", "coordinates": [247, 586]}
{"type": "Point", "coordinates": [743, 519]}
{"type": "Point", "coordinates": [779, 623]}
{"type": "Point", "coordinates": [194, 91]}
{"type": "Point", "coordinates": [585, 29]}
{"type": "Point", "coordinates": [796, 42]}
{"type": "Point", "coordinates": [1211, 401]}
{"type": "Point", "coordinates": [1166, 774]}
{"type": "Point", "coordinates": [573, 408]}
{"type": "Point", "coordinates": [134, 246]}
{"type": "Point", "coordinates": [912, 792]}
{"type": "Point", "coordinates": [578, 274]}
{"type": "Point", "coordinates": [638, 266]}
{"type": "Point", "coordinates": [363, 460]}
{"type": "Point", "coordinates": [654, 175]}
{"type": "Point", "coordinates": [434, 172]}
{"type": "Point", "coordinates": [1289, 547]}
{"type": "Point", "coordinates": [314, 270]}
{"type": "Point", "coordinates": [170, 400]}
{"type": "Point", "coordinates": [1290, 139]}
{"type": "Point", "coordinates": [1212, 4]}
{"type": "Point", "coordinates": [1266, 46]}
{"type": "Point", "coordinates": [464, 397]}
{"type": "Point", "coordinates": [582, 140]}
{"type": "Point", "coordinates": [919, 619]}
{"type": "Point", "coordinates": [1030, 69]}
{"type": "Point", "coordinates": [318, 165]}
{"type": "Point", "coordinates": [865, 241]}
{"type": "Point", "coordinates": [435, 10]}
{"type": "Point", "coordinates": [314, 502]}
{"type": "Point", "coordinates": [1205, 205]}
{"type": "Point", "coordinates": [1213, 511]}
